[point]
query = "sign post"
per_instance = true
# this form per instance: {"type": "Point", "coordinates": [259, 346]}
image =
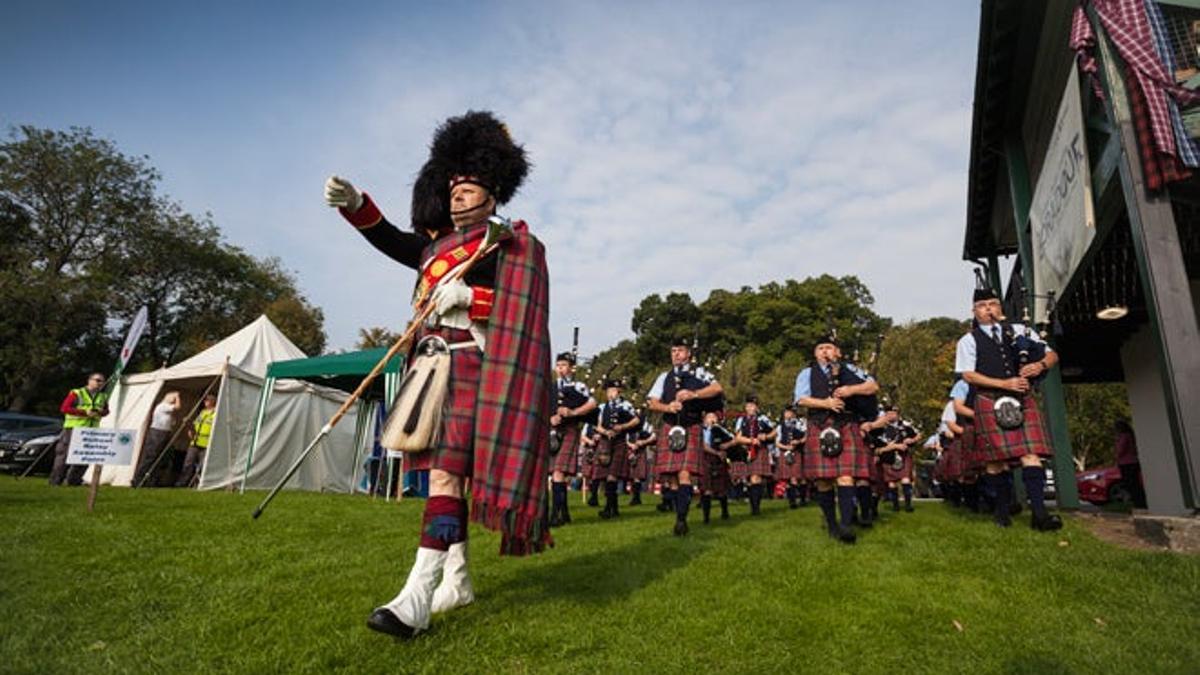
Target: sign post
{"type": "Point", "coordinates": [101, 447]}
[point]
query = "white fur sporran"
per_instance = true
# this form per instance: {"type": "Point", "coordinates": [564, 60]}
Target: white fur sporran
{"type": "Point", "coordinates": [415, 423]}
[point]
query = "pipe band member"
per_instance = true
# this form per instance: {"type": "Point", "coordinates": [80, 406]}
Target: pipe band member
{"type": "Point", "coordinates": [574, 406]}
{"type": "Point", "coordinates": [1008, 422]}
{"type": "Point", "coordinates": [682, 394]}
{"type": "Point", "coordinates": [833, 393]}
{"type": "Point", "coordinates": [617, 417]}
{"type": "Point", "coordinates": [496, 422]}
{"type": "Point", "coordinates": [756, 432]}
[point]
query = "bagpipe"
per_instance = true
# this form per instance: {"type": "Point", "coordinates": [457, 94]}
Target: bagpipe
{"type": "Point", "coordinates": [722, 437]}
{"type": "Point", "coordinates": [1020, 348]}
{"type": "Point", "coordinates": [787, 433]}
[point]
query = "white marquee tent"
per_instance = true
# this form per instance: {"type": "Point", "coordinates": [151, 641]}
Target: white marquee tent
{"type": "Point", "coordinates": [235, 368]}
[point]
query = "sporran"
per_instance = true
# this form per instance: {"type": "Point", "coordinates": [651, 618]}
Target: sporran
{"type": "Point", "coordinates": [830, 442]}
{"type": "Point", "coordinates": [415, 423]}
{"type": "Point", "coordinates": [1009, 413]}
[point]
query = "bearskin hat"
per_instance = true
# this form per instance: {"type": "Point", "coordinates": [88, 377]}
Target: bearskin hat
{"type": "Point", "coordinates": [477, 148]}
{"type": "Point", "coordinates": [430, 210]}
{"type": "Point", "coordinates": [565, 356]}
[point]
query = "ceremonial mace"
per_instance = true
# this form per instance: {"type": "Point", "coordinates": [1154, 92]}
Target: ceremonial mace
{"type": "Point", "coordinates": [498, 229]}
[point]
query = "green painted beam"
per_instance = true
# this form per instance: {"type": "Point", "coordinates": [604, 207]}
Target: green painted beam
{"type": "Point", "coordinates": [1052, 387]}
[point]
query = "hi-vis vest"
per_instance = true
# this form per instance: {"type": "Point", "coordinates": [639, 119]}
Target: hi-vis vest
{"type": "Point", "coordinates": [85, 401]}
{"type": "Point", "coordinates": [203, 428]}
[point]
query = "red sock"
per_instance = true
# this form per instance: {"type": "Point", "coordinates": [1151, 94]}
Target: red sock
{"type": "Point", "coordinates": [444, 523]}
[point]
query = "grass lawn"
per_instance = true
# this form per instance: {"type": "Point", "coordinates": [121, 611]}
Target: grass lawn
{"type": "Point", "coordinates": [174, 581]}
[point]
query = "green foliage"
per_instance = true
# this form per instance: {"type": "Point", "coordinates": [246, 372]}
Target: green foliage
{"type": "Point", "coordinates": [181, 581]}
{"type": "Point", "coordinates": [375, 336]}
{"type": "Point", "coordinates": [1092, 412]}
{"type": "Point", "coordinates": [87, 240]}
{"type": "Point", "coordinates": [916, 368]}
{"type": "Point", "coordinates": [754, 340]}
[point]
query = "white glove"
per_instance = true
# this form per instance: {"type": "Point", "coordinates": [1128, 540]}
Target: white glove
{"type": "Point", "coordinates": [450, 295]}
{"type": "Point", "coordinates": [340, 193]}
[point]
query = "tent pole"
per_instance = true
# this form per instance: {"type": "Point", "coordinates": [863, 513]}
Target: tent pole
{"type": "Point", "coordinates": [263, 396]}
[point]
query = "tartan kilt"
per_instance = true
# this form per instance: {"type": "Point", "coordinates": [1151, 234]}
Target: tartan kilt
{"type": "Point", "coordinates": [455, 451]}
{"type": "Point", "coordinates": [715, 478]}
{"type": "Point", "coordinates": [644, 469]}
{"type": "Point", "coordinates": [619, 466]}
{"type": "Point", "coordinates": [567, 459]}
{"type": "Point", "coordinates": [761, 464]}
{"type": "Point", "coordinates": [691, 459]}
{"type": "Point", "coordinates": [972, 468]}
{"type": "Point", "coordinates": [793, 471]}
{"type": "Point", "coordinates": [951, 461]}
{"type": "Point", "coordinates": [877, 480]}
{"type": "Point", "coordinates": [994, 444]}
{"type": "Point", "coordinates": [855, 461]}
{"type": "Point", "coordinates": [739, 471]}
{"type": "Point", "coordinates": [891, 475]}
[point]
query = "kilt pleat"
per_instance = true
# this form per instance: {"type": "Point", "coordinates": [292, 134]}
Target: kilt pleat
{"type": "Point", "coordinates": [567, 459]}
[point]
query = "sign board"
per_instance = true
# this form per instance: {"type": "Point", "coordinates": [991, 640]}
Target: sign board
{"type": "Point", "coordinates": [111, 447]}
{"type": "Point", "coordinates": [1062, 219]}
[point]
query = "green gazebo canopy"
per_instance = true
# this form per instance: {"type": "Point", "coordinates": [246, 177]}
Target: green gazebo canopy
{"type": "Point", "coordinates": [340, 371]}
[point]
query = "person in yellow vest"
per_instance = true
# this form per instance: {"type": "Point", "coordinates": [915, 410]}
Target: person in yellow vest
{"type": "Point", "coordinates": [199, 433]}
{"type": "Point", "coordinates": [83, 407]}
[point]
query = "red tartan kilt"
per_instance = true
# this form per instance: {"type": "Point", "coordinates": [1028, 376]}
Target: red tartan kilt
{"type": "Point", "coordinates": [856, 459]}
{"type": "Point", "coordinates": [761, 465]}
{"type": "Point", "coordinates": [721, 483]}
{"type": "Point", "coordinates": [739, 471]}
{"type": "Point", "coordinates": [567, 459]}
{"type": "Point", "coordinates": [691, 459]}
{"type": "Point", "coordinates": [619, 466]}
{"type": "Point", "coordinates": [994, 444]}
{"type": "Point", "coordinates": [951, 461]}
{"type": "Point", "coordinates": [643, 470]}
{"type": "Point", "coordinates": [795, 470]}
{"type": "Point", "coordinates": [877, 479]}
{"type": "Point", "coordinates": [456, 449]}
{"type": "Point", "coordinates": [891, 475]}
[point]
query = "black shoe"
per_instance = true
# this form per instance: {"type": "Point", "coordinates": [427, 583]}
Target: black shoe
{"type": "Point", "coordinates": [1003, 521]}
{"type": "Point", "coordinates": [636, 501]}
{"type": "Point", "coordinates": [1014, 509]}
{"type": "Point", "coordinates": [896, 508]}
{"type": "Point", "coordinates": [606, 513]}
{"type": "Point", "coordinates": [555, 521]}
{"type": "Point", "coordinates": [846, 535]}
{"type": "Point", "coordinates": [866, 523]}
{"type": "Point", "coordinates": [593, 500]}
{"type": "Point", "coordinates": [681, 528]}
{"type": "Point", "coordinates": [908, 508]}
{"type": "Point", "coordinates": [383, 621]}
{"type": "Point", "coordinates": [566, 516]}
{"type": "Point", "coordinates": [1048, 524]}
{"type": "Point", "coordinates": [663, 508]}
{"type": "Point", "coordinates": [724, 515]}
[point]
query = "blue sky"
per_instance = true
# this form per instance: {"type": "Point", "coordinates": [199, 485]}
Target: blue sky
{"type": "Point", "coordinates": [676, 146]}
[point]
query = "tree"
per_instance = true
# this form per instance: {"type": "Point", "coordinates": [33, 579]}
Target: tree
{"type": "Point", "coordinates": [1092, 412]}
{"type": "Point", "coordinates": [374, 337]}
{"type": "Point", "coordinates": [87, 241]}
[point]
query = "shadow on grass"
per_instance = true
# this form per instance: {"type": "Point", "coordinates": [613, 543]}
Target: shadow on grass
{"type": "Point", "coordinates": [605, 577]}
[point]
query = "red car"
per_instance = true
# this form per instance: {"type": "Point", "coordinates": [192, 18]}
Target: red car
{"type": "Point", "coordinates": [1102, 485]}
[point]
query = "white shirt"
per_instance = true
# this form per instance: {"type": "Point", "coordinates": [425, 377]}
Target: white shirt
{"type": "Point", "coordinates": [964, 354]}
{"type": "Point", "coordinates": [163, 418]}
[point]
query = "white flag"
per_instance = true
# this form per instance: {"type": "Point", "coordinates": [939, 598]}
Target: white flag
{"type": "Point", "coordinates": [135, 333]}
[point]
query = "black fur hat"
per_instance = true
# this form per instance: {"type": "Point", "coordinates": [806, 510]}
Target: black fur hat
{"type": "Point", "coordinates": [565, 356]}
{"type": "Point", "coordinates": [430, 210]}
{"type": "Point", "coordinates": [477, 148]}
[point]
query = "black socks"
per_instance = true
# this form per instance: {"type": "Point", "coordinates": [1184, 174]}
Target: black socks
{"type": "Point", "coordinates": [907, 487]}
{"type": "Point", "coordinates": [845, 497]}
{"type": "Point", "coordinates": [756, 493]}
{"type": "Point", "coordinates": [683, 501]}
{"type": "Point", "coordinates": [825, 500]}
{"type": "Point", "coordinates": [1035, 489]}
{"type": "Point", "coordinates": [706, 506]}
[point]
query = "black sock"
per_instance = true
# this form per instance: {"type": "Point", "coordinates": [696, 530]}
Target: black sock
{"type": "Point", "coordinates": [803, 492]}
{"type": "Point", "coordinates": [825, 499]}
{"type": "Point", "coordinates": [893, 497]}
{"type": "Point", "coordinates": [845, 497]}
{"type": "Point", "coordinates": [668, 497]}
{"type": "Point", "coordinates": [756, 491]}
{"type": "Point", "coordinates": [706, 505]}
{"type": "Point", "coordinates": [874, 503]}
{"type": "Point", "coordinates": [907, 487]}
{"type": "Point", "coordinates": [610, 495]}
{"type": "Point", "coordinates": [998, 484]}
{"type": "Point", "coordinates": [683, 501]}
{"type": "Point", "coordinates": [724, 505]}
{"type": "Point", "coordinates": [1035, 489]}
{"type": "Point", "coordinates": [637, 491]}
{"type": "Point", "coordinates": [862, 494]}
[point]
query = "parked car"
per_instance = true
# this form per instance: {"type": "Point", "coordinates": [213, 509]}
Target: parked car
{"type": "Point", "coordinates": [1102, 485]}
{"type": "Point", "coordinates": [22, 439]}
